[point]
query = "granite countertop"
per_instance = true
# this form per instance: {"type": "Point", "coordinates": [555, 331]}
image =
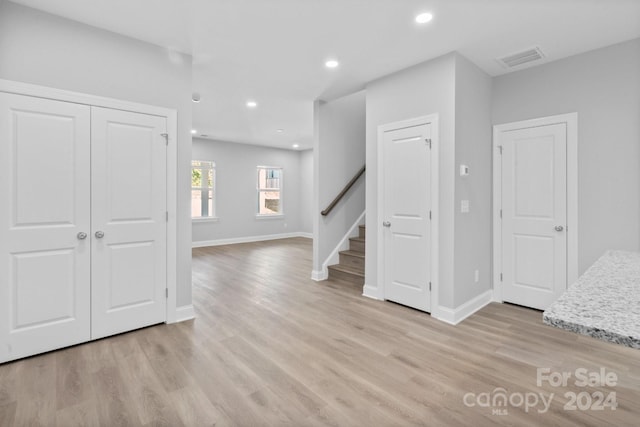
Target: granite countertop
{"type": "Point", "coordinates": [605, 301]}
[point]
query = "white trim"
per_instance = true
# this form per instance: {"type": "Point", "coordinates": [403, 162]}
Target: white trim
{"type": "Point", "coordinates": [205, 219]}
{"type": "Point", "coordinates": [305, 234]}
{"type": "Point", "coordinates": [343, 245]}
{"type": "Point", "coordinates": [172, 222]}
{"type": "Point", "coordinates": [212, 217]}
{"type": "Point", "coordinates": [248, 239]}
{"type": "Point", "coordinates": [457, 315]}
{"type": "Point", "coordinates": [371, 292]}
{"type": "Point", "coordinates": [571, 120]}
{"type": "Point", "coordinates": [432, 119]}
{"type": "Point", "coordinates": [21, 88]}
{"type": "Point", "coordinates": [270, 216]}
{"type": "Point", "coordinates": [280, 190]}
{"type": "Point", "coordinates": [186, 312]}
{"type": "Point", "coordinates": [171, 116]}
{"type": "Point", "coordinates": [319, 275]}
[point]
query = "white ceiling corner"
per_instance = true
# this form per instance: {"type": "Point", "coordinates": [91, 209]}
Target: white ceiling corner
{"type": "Point", "coordinates": [273, 51]}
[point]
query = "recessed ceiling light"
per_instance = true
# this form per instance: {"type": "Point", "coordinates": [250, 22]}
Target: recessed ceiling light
{"type": "Point", "coordinates": [193, 131]}
{"type": "Point", "coordinates": [423, 18]}
{"type": "Point", "coordinates": [332, 63]}
{"type": "Point", "coordinates": [280, 130]}
{"type": "Point", "coordinates": [252, 104]}
{"type": "Point", "coordinates": [296, 145]}
{"type": "Point", "coordinates": [195, 97]}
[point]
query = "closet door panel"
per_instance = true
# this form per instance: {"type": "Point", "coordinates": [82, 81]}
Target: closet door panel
{"type": "Point", "coordinates": [128, 221]}
{"type": "Point", "coordinates": [45, 186]}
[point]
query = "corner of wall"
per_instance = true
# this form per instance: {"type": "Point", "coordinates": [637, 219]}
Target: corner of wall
{"type": "Point", "coordinates": [458, 314]}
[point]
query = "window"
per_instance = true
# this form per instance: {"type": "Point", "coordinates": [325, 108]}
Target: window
{"type": "Point", "coordinates": [203, 177]}
{"type": "Point", "coordinates": [269, 191]}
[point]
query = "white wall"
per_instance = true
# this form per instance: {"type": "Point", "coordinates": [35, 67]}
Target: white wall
{"type": "Point", "coordinates": [460, 93]}
{"type": "Point", "coordinates": [237, 199]}
{"type": "Point", "coordinates": [603, 86]}
{"type": "Point", "coordinates": [43, 49]}
{"type": "Point", "coordinates": [306, 191]}
{"type": "Point", "coordinates": [339, 153]}
{"type": "Point", "coordinates": [472, 241]}
{"type": "Point", "coordinates": [417, 91]}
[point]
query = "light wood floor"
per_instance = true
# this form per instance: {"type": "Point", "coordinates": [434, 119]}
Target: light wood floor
{"type": "Point", "coordinates": [271, 347]}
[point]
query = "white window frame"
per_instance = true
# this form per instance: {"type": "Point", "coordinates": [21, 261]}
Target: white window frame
{"type": "Point", "coordinates": [260, 190]}
{"type": "Point", "coordinates": [213, 215]}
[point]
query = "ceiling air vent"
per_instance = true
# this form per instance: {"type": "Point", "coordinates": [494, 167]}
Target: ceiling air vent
{"type": "Point", "coordinates": [520, 58]}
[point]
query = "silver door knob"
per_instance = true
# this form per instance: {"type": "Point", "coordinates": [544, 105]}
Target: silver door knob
{"type": "Point", "coordinates": [99, 234]}
{"type": "Point", "coordinates": [559, 228]}
{"type": "Point", "coordinates": [82, 235]}
{"type": "Point", "coordinates": [386, 224]}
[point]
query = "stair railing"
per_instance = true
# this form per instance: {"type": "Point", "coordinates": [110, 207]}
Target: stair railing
{"type": "Point", "coordinates": [343, 192]}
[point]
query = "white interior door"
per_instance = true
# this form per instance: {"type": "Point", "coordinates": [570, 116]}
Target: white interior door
{"type": "Point", "coordinates": [128, 221]}
{"type": "Point", "coordinates": [45, 266]}
{"type": "Point", "coordinates": [534, 214]}
{"type": "Point", "coordinates": [406, 205]}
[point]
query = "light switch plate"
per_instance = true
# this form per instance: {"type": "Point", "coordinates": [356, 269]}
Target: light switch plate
{"type": "Point", "coordinates": [464, 206]}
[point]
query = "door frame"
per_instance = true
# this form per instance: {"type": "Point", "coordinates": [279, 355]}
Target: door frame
{"type": "Point", "coordinates": [433, 120]}
{"type": "Point", "coordinates": [571, 121]}
{"type": "Point", "coordinates": [171, 115]}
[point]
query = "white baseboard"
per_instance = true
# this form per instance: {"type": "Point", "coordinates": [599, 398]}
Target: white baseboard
{"type": "Point", "coordinates": [319, 275]}
{"type": "Point", "coordinates": [371, 292]}
{"type": "Point", "coordinates": [304, 234]}
{"type": "Point", "coordinates": [186, 312]}
{"type": "Point", "coordinates": [249, 239]}
{"type": "Point", "coordinates": [454, 316]}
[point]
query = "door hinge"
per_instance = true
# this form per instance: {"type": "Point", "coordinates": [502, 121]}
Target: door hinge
{"type": "Point", "coordinates": [500, 148]}
{"type": "Point", "coordinates": [166, 137]}
{"type": "Point", "coordinates": [166, 292]}
{"type": "Point", "coordinates": [166, 216]}
{"type": "Point", "coordinates": [428, 142]}
{"type": "Point", "coordinates": [501, 277]}
{"type": "Point", "coordinates": [429, 214]}
{"type": "Point", "coordinates": [500, 213]}
{"type": "Point", "coordinates": [429, 286]}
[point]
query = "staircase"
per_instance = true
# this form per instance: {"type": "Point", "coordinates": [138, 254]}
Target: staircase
{"type": "Point", "coordinates": [351, 266]}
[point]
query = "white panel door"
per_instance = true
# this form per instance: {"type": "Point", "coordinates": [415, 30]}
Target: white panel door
{"type": "Point", "coordinates": [406, 201]}
{"type": "Point", "coordinates": [45, 265]}
{"type": "Point", "coordinates": [534, 215]}
{"type": "Point", "coordinates": [128, 221]}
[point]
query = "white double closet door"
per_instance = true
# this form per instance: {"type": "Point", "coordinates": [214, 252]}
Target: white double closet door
{"type": "Point", "coordinates": [82, 223]}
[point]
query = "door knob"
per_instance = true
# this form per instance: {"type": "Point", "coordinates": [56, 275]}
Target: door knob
{"type": "Point", "coordinates": [386, 224]}
{"type": "Point", "coordinates": [559, 228]}
{"type": "Point", "coordinates": [99, 234]}
{"type": "Point", "coordinates": [82, 235]}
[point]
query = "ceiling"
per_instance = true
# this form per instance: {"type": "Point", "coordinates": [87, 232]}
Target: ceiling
{"type": "Point", "coordinates": [273, 51]}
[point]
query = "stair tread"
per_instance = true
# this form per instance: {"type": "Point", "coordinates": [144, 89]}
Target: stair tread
{"type": "Point", "coordinates": [345, 269]}
{"type": "Point", "coordinates": [357, 239]}
{"type": "Point", "coordinates": [353, 253]}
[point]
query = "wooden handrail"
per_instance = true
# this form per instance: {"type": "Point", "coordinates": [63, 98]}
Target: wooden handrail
{"type": "Point", "coordinates": [343, 192]}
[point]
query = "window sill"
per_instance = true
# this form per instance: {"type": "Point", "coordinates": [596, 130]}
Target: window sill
{"type": "Point", "coordinates": [206, 219]}
{"type": "Point", "coordinates": [267, 216]}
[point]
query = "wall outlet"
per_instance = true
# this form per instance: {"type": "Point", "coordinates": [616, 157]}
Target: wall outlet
{"type": "Point", "coordinates": [476, 276]}
{"type": "Point", "coordinates": [464, 206]}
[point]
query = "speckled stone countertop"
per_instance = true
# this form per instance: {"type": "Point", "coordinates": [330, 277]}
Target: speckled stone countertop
{"type": "Point", "coordinates": [605, 301]}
